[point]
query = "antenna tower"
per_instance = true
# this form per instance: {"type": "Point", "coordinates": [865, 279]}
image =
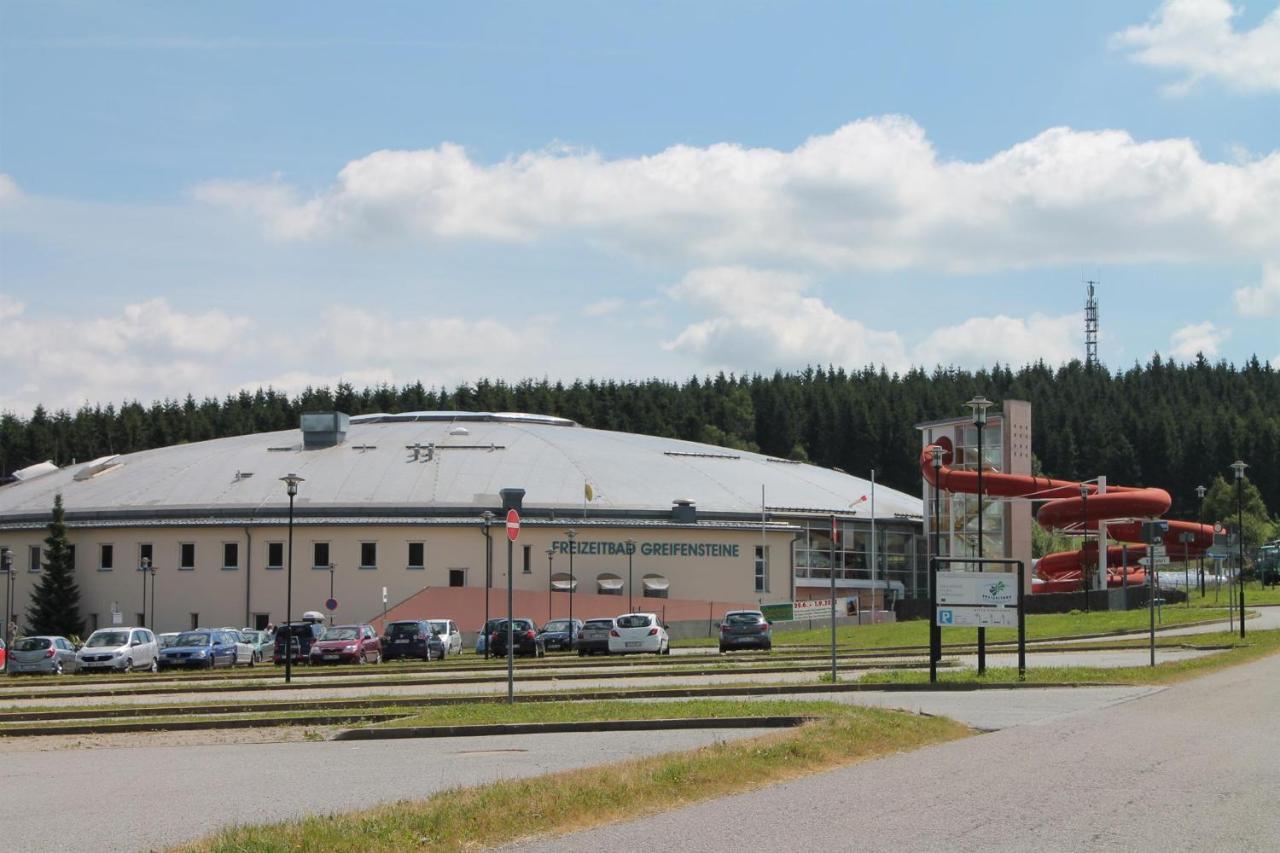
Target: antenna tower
{"type": "Point", "coordinates": [1091, 327]}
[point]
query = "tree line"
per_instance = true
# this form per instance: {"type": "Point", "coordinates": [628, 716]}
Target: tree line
{"type": "Point", "coordinates": [1163, 423]}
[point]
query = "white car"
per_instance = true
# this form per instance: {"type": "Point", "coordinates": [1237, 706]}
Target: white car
{"type": "Point", "coordinates": [118, 649]}
{"type": "Point", "coordinates": [244, 649]}
{"type": "Point", "coordinates": [450, 636]}
{"type": "Point", "coordinates": [636, 633]}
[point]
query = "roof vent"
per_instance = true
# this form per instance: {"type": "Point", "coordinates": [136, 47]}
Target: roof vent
{"type": "Point", "coordinates": [459, 430]}
{"type": "Point", "coordinates": [98, 466]}
{"type": "Point", "coordinates": [684, 511]}
{"type": "Point", "coordinates": [32, 471]}
{"type": "Point", "coordinates": [324, 429]}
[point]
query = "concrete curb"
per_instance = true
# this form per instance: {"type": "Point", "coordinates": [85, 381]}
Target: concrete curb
{"type": "Point", "coordinates": [193, 725]}
{"type": "Point", "coordinates": [490, 729]}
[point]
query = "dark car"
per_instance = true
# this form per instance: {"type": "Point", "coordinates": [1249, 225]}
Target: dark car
{"type": "Point", "coordinates": [298, 637]}
{"type": "Point", "coordinates": [559, 634]}
{"type": "Point", "coordinates": [411, 639]}
{"type": "Point", "coordinates": [347, 644]}
{"type": "Point", "coordinates": [593, 639]}
{"type": "Point", "coordinates": [482, 636]}
{"type": "Point", "coordinates": [527, 641]}
{"type": "Point", "coordinates": [745, 629]}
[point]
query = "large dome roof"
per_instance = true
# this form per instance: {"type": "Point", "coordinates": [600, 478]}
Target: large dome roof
{"type": "Point", "coordinates": [441, 461]}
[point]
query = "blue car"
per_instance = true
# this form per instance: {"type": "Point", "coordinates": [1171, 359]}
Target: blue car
{"type": "Point", "coordinates": [204, 649]}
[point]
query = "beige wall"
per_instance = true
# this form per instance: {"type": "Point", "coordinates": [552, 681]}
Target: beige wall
{"type": "Point", "coordinates": [218, 595]}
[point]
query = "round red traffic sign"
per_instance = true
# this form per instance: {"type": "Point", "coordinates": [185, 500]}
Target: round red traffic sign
{"type": "Point", "coordinates": [331, 604]}
{"type": "Point", "coordinates": [513, 524]}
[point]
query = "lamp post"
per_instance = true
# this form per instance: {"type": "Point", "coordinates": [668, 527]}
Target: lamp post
{"type": "Point", "coordinates": [144, 568]}
{"type": "Point", "coordinates": [6, 565]}
{"type": "Point", "coordinates": [979, 405]}
{"type": "Point", "coordinates": [1200, 490]}
{"type": "Point", "coordinates": [550, 554]}
{"type": "Point", "coordinates": [291, 482]}
{"type": "Point", "coordinates": [937, 552]}
{"type": "Point", "coordinates": [572, 534]}
{"type": "Point", "coordinates": [631, 550]}
{"type": "Point", "coordinates": [488, 576]}
{"type": "Point", "coordinates": [384, 615]}
{"type": "Point", "coordinates": [1239, 467]}
{"type": "Point", "coordinates": [1084, 557]}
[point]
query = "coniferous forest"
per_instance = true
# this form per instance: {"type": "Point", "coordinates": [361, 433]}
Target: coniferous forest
{"type": "Point", "coordinates": [1165, 424]}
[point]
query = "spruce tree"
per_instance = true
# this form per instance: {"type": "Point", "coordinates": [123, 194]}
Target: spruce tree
{"type": "Point", "coordinates": [55, 602]}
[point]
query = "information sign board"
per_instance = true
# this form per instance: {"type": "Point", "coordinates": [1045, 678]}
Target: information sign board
{"type": "Point", "coordinates": [978, 589]}
{"type": "Point", "coordinates": [980, 617]}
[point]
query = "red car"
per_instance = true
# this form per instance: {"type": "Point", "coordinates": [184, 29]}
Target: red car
{"type": "Point", "coordinates": [347, 644]}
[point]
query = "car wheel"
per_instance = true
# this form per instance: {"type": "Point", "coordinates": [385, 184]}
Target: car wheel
{"type": "Point", "coordinates": [57, 667]}
{"type": "Point", "coordinates": [155, 665]}
{"type": "Point", "coordinates": [722, 650]}
{"type": "Point", "coordinates": [377, 657]}
{"type": "Point", "coordinates": [253, 659]}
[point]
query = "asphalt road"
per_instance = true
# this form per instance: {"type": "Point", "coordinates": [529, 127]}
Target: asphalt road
{"type": "Point", "coordinates": [1192, 767]}
{"type": "Point", "coordinates": [142, 798]}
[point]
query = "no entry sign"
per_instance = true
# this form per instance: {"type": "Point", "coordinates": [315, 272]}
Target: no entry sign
{"type": "Point", "coordinates": [513, 524]}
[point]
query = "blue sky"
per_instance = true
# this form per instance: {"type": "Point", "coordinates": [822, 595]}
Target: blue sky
{"type": "Point", "coordinates": [203, 197]}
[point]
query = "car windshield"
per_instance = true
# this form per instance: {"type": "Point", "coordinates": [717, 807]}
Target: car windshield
{"type": "Point", "coordinates": [32, 644]}
{"type": "Point", "coordinates": [340, 634]}
{"type": "Point", "coordinates": [192, 638]}
{"type": "Point", "coordinates": [167, 640]}
{"type": "Point", "coordinates": [440, 627]}
{"type": "Point", "coordinates": [108, 639]}
{"type": "Point", "coordinates": [598, 624]}
{"type": "Point", "coordinates": [634, 621]}
{"type": "Point", "coordinates": [745, 618]}
{"type": "Point", "coordinates": [558, 625]}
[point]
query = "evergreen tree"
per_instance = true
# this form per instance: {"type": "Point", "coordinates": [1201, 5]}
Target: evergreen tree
{"type": "Point", "coordinates": [55, 602]}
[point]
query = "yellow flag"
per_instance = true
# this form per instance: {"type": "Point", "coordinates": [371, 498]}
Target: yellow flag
{"type": "Point", "coordinates": [588, 492]}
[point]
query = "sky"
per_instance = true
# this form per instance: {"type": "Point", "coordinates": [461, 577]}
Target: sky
{"type": "Point", "coordinates": [200, 198]}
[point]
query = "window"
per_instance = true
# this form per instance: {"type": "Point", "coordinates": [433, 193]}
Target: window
{"type": "Point", "coordinates": [656, 586]}
{"type": "Point", "coordinates": [320, 555]}
{"type": "Point", "coordinates": [275, 555]}
{"type": "Point", "coordinates": [106, 558]}
{"type": "Point", "coordinates": [368, 555]}
{"type": "Point", "coordinates": [93, 622]}
{"type": "Point", "coordinates": [608, 584]}
{"type": "Point", "coordinates": [528, 559]}
{"type": "Point", "coordinates": [417, 555]}
{"type": "Point", "coordinates": [187, 556]}
{"type": "Point", "coordinates": [261, 621]}
{"type": "Point", "coordinates": [230, 555]}
{"type": "Point", "coordinates": [142, 618]}
{"type": "Point", "coordinates": [33, 558]}
{"type": "Point", "coordinates": [457, 577]}
{"type": "Point", "coordinates": [195, 621]}
{"type": "Point", "coordinates": [71, 555]}
{"type": "Point", "coordinates": [762, 569]}
{"type": "Point", "coordinates": [144, 553]}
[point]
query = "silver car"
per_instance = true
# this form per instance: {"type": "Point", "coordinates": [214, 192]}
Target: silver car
{"type": "Point", "coordinates": [48, 655]}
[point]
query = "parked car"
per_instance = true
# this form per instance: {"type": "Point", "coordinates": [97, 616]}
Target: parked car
{"type": "Point", "coordinates": [559, 634]}
{"type": "Point", "coordinates": [4, 659]}
{"type": "Point", "coordinates": [119, 649]}
{"type": "Point", "coordinates": [482, 637]}
{"type": "Point", "coordinates": [347, 644]}
{"type": "Point", "coordinates": [202, 649]}
{"type": "Point", "coordinates": [411, 638]}
{"type": "Point", "coordinates": [53, 655]}
{"type": "Point", "coordinates": [298, 638]}
{"type": "Point", "coordinates": [637, 633]}
{"type": "Point", "coordinates": [745, 629]}
{"type": "Point", "coordinates": [450, 636]}
{"type": "Point", "coordinates": [526, 639]}
{"type": "Point", "coordinates": [594, 637]}
{"type": "Point", "coordinates": [260, 641]}
{"type": "Point", "coordinates": [167, 639]}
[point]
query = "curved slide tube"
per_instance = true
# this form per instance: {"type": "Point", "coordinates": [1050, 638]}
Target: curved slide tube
{"type": "Point", "coordinates": [1064, 508]}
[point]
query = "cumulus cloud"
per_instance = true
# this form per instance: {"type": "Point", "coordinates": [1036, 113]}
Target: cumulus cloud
{"type": "Point", "coordinates": [1263, 299]}
{"type": "Point", "coordinates": [1199, 38]}
{"type": "Point", "coordinates": [9, 191]}
{"type": "Point", "coordinates": [764, 319]}
{"type": "Point", "coordinates": [10, 307]}
{"type": "Point", "coordinates": [1197, 338]}
{"type": "Point", "coordinates": [604, 307]}
{"type": "Point", "coordinates": [873, 194]}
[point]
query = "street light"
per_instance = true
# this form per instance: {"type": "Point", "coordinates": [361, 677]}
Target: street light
{"type": "Point", "coordinates": [937, 452]}
{"type": "Point", "coordinates": [488, 576]}
{"type": "Point", "coordinates": [979, 405]}
{"type": "Point", "coordinates": [1200, 490]}
{"type": "Point", "coordinates": [1084, 556]}
{"type": "Point", "coordinates": [550, 553]}
{"type": "Point", "coordinates": [631, 550]}
{"type": "Point", "coordinates": [572, 534]}
{"type": "Point", "coordinates": [1239, 467]}
{"type": "Point", "coordinates": [144, 568]}
{"type": "Point", "coordinates": [291, 482]}
{"type": "Point", "coordinates": [6, 565]}
{"type": "Point", "coordinates": [384, 615]}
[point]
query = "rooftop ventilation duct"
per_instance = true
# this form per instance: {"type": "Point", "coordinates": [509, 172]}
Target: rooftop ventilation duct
{"type": "Point", "coordinates": [32, 471]}
{"type": "Point", "coordinates": [324, 429]}
{"type": "Point", "coordinates": [684, 511]}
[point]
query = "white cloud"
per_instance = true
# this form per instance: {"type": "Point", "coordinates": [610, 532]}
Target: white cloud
{"type": "Point", "coordinates": [873, 194]}
{"type": "Point", "coordinates": [763, 319]}
{"type": "Point", "coordinates": [604, 307]}
{"type": "Point", "coordinates": [1199, 38]}
{"type": "Point", "coordinates": [9, 191]}
{"type": "Point", "coordinates": [1262, 300]}
{"type": "Point", "coordinates": [1189, 341]}
{"type": "Point", "coordinates": [10, 307]}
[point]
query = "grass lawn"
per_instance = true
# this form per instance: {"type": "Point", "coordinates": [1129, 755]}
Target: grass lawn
{"type": "Point", "coordinates": [1254, 593]}
{"type": "Point", "coordinates": [559, 712]}
{"type": "Point", "coordinates": [505, 811]}
{"type": "Point", "coordinates": [1257, 645]}
{"type": "Point", "coordinates": [1041, 626]}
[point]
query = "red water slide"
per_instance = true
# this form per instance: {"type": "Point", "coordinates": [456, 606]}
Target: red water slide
{"type": "Point", "coordinates": [1064, 509]}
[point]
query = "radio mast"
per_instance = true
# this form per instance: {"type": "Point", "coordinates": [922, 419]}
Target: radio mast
{"type": "Point", "coordinates": [1091, 327]}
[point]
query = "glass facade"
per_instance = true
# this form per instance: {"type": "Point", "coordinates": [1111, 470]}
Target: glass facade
{"type": "Point", "coordinates": [900, 557]}
{"type": "Point", "coordinates": [958, 512]}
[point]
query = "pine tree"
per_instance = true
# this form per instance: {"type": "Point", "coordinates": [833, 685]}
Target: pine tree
{"type": "Point", "coordinates": [55, 602]}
